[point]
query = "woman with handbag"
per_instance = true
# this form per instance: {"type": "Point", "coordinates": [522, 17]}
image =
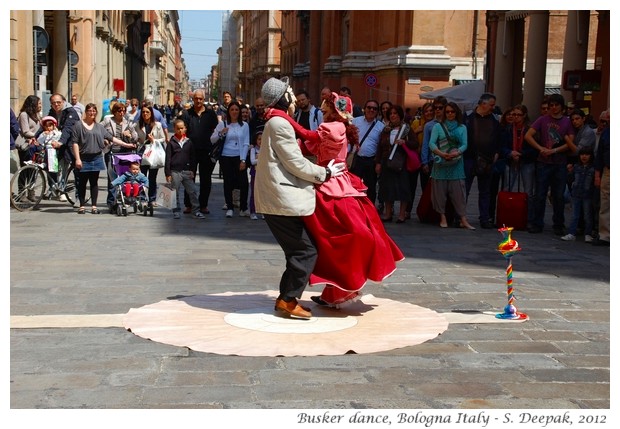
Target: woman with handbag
{"type": "Point", "coordinates": [88, 141]}
{"type": "Point", "coordinates": [117, 125]}
{"type": "Point", "coordinates": [29, 122]}
{"type": "Point", "coordinates": [417, 126]}
{"type": "Point", "coordinates": [448, 142]}
{"type": "Point", "coordinates": [29, 119]}
{"type": "Point", "coordinates": [390, 164]}
{"type": "Point", "coordinates": [150, 134]}
{"type": "Point", "coordinates": [520, 158]}
{"type": "Point", "coordinates": [233, 157]}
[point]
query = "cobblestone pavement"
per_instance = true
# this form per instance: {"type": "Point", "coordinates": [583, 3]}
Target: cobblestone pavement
{"type": "Point", "coordinates": [65, 264]}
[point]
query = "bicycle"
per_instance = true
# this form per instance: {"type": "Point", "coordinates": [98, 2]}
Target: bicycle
{"type": "Point", "coordinates": [29, 184]}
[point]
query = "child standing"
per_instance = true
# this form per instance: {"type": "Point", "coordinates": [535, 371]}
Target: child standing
{"type": "Point", "coordinates": [254, 150]}
{"type": "Point", "coordinates": [131, 180]}
{"type": "Point", "coordinates": [180, 166]}
{"type": "Point", "coordinates": [582, 177]}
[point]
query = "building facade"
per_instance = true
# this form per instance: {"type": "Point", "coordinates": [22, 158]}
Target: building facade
{"type": "Point", "coordinates": [96, 55]}
{"type": "Point", "coordinates": [397, 55]}
{"type": "Point", "coordinates": [259, 50]}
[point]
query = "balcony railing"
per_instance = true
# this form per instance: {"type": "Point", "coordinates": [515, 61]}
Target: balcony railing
{"type": "Point", "coordinates": [157, 48]}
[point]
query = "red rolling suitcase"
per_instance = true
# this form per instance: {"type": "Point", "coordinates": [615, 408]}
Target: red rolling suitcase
{"type": "Point", "coordinates": [511, 209]}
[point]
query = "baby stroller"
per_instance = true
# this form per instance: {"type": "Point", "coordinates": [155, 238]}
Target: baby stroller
{"type": "Point", "coordinates": [127, 197]}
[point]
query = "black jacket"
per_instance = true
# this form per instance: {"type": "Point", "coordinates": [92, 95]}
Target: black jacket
{"type": "Point", "coordinates": [67, 117]}
{"type": "Point", "coordinates": [200, 128]}
{"type": "Point", "coordinates": [483, 136]}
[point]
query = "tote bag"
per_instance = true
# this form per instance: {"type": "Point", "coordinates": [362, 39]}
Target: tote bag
{"type": "Point", "coordinates": [448, 145]}
{"type": "Point", "coordinates": [154, 155]}
{"type": "Point", "coordinates": [167, 196]}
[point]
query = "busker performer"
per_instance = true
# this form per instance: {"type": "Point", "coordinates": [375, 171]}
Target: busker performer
{"type": "Point", "coordinates": [285, 192]}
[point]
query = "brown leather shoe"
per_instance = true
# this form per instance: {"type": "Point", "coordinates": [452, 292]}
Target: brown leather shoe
{"type": "Point", "coordinates": [292, 309]}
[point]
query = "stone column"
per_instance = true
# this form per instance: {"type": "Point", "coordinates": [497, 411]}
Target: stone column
{"type": "Point", "coordinates": [536, 61]}
{"type": "Point", "coordinates": [504, 59]}
{"type": "Point", "coordinates": [602, 61]}
{"type": "Point", "coordinates": [315, 51]}
{"type": "Point", "coordinates": [575, 44]}
{"type": "Point", "coordinates": [60, 71]}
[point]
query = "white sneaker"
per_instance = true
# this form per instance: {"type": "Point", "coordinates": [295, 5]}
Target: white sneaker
{"type": "Point", "coordinates": [199, 215]}
{"type": "Point", "coordinates": [229, 213]}
{"type": "Point", "coordinates": [589, 239]}
{"type": "Point", "coordinates": [62, 198]}
{"type": "Point", "coordinates": [244, 213]}
{"type": "Point", "coordinates": [176, 215]}
{"type": "Point", "coordinates": [253, 216]}
{"type": "Point", "coordinates": [262, 217]}
{"type": "Point", "coordinates": [225, 207]}
{"type": "Point", "coordinates": [568, 237]}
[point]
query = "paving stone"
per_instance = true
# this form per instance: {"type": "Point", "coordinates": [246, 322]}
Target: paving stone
{"type": "Point", "coordinates": [558, 359]}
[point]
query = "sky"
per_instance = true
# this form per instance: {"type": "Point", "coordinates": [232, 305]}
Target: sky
{"type": "Point", "coordinates": [201, 36]}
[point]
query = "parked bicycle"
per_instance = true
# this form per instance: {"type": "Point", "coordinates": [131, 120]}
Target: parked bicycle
{"type": "Point", "coordinates": [33, 182]}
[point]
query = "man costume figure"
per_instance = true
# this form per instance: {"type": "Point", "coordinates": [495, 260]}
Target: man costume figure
{"type": "Point", "coordinates": [285, 192]}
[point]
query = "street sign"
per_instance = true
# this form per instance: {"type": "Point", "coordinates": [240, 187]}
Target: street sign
{"type": "Point", "coordinates": [118, 84]}
{"type": "Point", "coordinates": [73, 57]}
{"type": "Point", "coordinates": [73, 74]}
{"type": "Point", "coordinates": [371, 80]}
{"type": "Point", "coordinates": [41, 39]}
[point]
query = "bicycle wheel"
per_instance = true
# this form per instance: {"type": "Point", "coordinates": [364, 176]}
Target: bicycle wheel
{"type": "Point", "coordinates": [27, 187]}
{"type": "Point", "coordinates": [66, 185]}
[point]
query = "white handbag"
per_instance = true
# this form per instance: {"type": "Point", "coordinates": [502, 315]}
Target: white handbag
{"type": "Point", "coordinates": [154, 155]}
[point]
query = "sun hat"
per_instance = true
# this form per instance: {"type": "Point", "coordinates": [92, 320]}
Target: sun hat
{"type": "Point", "coordinates": [342, 104]}
{"type": "Point", "coordinates": [49, 118]}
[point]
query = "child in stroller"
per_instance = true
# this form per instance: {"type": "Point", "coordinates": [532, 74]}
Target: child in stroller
{"type": "Point", "coordinates": [131, 186]}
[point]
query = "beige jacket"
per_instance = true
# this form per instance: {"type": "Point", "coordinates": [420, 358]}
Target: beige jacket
{"type": "Point", "coordinates": [284, 177]}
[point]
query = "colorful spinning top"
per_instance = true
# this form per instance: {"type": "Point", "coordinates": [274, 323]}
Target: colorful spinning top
{"type": "Point", "coordinates": [508, 247]}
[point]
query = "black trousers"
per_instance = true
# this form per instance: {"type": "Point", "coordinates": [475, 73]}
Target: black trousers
{"type": "Point", "coordinates": [234, 179]}
{"type": "Point", "coordinates": [364, 168]}
{"type": "Point", "coordinates": [299, 251]}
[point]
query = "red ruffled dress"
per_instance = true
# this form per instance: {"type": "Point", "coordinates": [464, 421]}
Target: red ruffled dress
{"type": "Point", "coordinates": [353, 246]}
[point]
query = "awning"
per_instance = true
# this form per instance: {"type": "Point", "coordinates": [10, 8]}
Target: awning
{"type": "Point", "coordinates": [466, 95]}
{"type": "Point", "coordinates": [513, 15]}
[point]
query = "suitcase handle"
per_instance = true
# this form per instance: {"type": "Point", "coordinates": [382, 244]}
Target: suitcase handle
{"type": "Point", "coordinates": [509, 178]}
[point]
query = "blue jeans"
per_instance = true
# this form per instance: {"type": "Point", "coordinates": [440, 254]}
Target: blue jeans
{"type": "Point", "coordinates": [550, 176]}
{"type": "Point", "coordinates": [579, 205]}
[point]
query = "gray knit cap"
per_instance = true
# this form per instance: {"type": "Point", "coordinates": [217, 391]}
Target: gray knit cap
{"type": "Point", "coordinates": [273, 90]}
